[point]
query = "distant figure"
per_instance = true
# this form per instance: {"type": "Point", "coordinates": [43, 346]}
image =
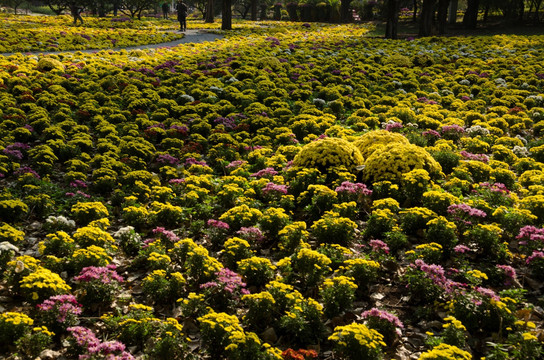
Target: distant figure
{"type": "Point", "coordinates": [182, 15]}
{"type": "Point", "coordinates": [76, 13]}
{"type": "Point", "coordinates": [165, 10]}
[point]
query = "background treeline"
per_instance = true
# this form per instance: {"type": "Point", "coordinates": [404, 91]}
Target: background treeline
{"type": "Point", "coordinates": [433, 15]}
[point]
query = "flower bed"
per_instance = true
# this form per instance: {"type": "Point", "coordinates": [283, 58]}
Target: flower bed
{"type": "Point", "coordinates": [57, 33]}
{"type": "Point", "coordinates": [214, 199]}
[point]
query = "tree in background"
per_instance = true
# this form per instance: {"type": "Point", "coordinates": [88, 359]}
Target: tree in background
{"type": "Point", "coordinates": [245, 7]}
{"type": "Point", "coordinates": [442, 15]}
{"type": "Point", "coordinates": [226, 15]}
{"type": "Point", "coordinates": [242, 7]}
{"type": "Point", "coordinates": [75, 7]}
{"type": "Point", "coordinates": [426, 17]}
{"type": "Point", "coordinates": [14, 4]}
{"type": "Point", "coordinates": [134, 8]}
{"type": "Point", "coordinates": [392, 16]}
{"type": "Point", "coordinates": [100, 7]}
{"type": "Point", "coordinates": [199, 5]}
{"type": "Point", "coordinates": [345, 11]}
{"type": "Point", "coordinates": [209, 12]}
{"type": "Point", "coordinates": [57, 6]}
{"type": "Point", "coordinates": [470, 19]}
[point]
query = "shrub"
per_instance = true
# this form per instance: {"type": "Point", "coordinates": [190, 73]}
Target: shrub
{"type": "Point", "coordinates": [356, 341]}
{"type": "Point", "coordinates": [415, 219]}
{"type": "Point", "coordinates": [439, 201]}
{"type": "Point", "coordinates": [86, 212]}
{"type": "Point", "coordinates": [273, 220]}
{"type": "Point", "coordinates": [242, 215]}
{"type": "Point", "coordinates": [302, 322]}
{"type": "Point", "coordinates": [97, 285]}
{"type": "Point", "coordinates": [308, 266]}
{"type": "Point", "coordinates": [318, 199]}
{"type": "Point", "coordinates": [90, 256]}
{"type": "Point", "coordinates": [256, 271]}
{"type": "Point", "coordinates": [363, 271]}
{"type": "Point", "coordinates": [13, 210]}
{"type": "Point", "coordinates": [59, 312]}
{"type": "Point", "coordinates": [216, 330]}
{"type": "Point", "coordinates": [292, 236]}
{"type": "Point", "coordinates": [337, 294]}
{"type": "Point", "coordinates": [442, 231]}
{"type": "Point", "coordinates": [91, 235]}
{"type": "Point", "coordinates": [426, 282]}
{"type": "Point", "coordinates": [445, 351]}
{"type": "Point", "coordinates": [415, 183]}
{"type": "Point", "coordinates": [137, 216]}
{"type": "Point", "coordinates": [163, 287]}
{"type": "Point", "coordinates": [385, 323]}
{"type": "Point", "coordinates": [260, 313]}
{"type": "Point", "coordinates": [32, 344]}
{"type": "Point", "coordinates": [49, 64]}
{"type": "Point", "coordinates": [380, 222]}
{"type": "Point", "coordinates": [13, 326]}
{"type": "Point", "coordinates": [392, 161]}
{"type": "Point", "coordinates": [235, 250]}
{"type": "Point", "coordinates": [166, 214]}
{"type": "Point", "coordinates": [535, 204]}
{"type": "Point", "coordinates": [371, 141]}
{"type": "Point", "coordinates": [326, 153]}
{"type": "Point", "coordinates": [487, 237]}
{"type": "Point", "coordinates": [41, 284]}
{"type": "Point", "coordinates": [334, 228]}
{"type": "Point", "coordinates": [10, 234]}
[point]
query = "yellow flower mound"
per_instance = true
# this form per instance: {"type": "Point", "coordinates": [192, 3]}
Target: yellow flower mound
{"type": "Point", "coordinates": [357, 341]}
{"type": "Point", "coordinates": [329, 152]}
{"type": "Point", "coordinates": [445, 351]}
{"type": "Point", "coordinates": [44, 281]}
{"type": "Point", "coordinates": [48, 64]}
{"type": "Point", "coordinates": [373, 140]}
{"type": "Point", "coordinates": [392, 161]}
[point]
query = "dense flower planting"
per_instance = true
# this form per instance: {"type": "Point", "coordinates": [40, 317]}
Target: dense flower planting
{"type": "Point", "coordinates": [293, 186]}
{"type": "Point", "coordinates": [46, 33]}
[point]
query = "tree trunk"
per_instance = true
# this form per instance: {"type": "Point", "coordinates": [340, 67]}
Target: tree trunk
{"type": "Point", "coordinates": [392, 14]}
{"type": "Point", "coordinates": [253, 10]}
{"type": "Point", "coordinates": [226, 15]}
{"type": "Point", "coordinates": [101, 9]}
{"type": "Point", "coordinates": [414, 15]}
{"type": "Point", "coordinates": [345, 14]}
{"type": "Point", "coordinates": [521, 6]}
{"type": "Point", "coordinates": [209, 12]}
{"type": "Point", "coordinates": [442, 15]}
{"type": "Point", "coordinates": [486, 12]}
{"type": "Point", "coordinates": [470, 19]}
{"type": "Point", "coordinates": [537, 4]}
{"type": "Point", "coordinates": [454, 5]}
{"type": "Point", "coordinates": [426, 18]}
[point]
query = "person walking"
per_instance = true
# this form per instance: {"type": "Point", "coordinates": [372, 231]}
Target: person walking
{"type": "Point", "coordinates": [182, 15]}
{"type": "Point", "coordinates": [165, 10]}
{"type": "Point", "coordinates": [76, 11]}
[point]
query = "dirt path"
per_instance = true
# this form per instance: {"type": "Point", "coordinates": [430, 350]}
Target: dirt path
{"type": "Point", "coordinates": [191, 37]}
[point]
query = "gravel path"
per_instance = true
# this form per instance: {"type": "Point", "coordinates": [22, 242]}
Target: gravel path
{"type": "Point", "coordinates": [191, 37]}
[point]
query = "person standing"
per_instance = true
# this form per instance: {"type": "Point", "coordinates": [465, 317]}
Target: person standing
{"type": "Point", "coordinates": [182, 15]}
{"type": "Point", "coordinates": [165, 10]}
